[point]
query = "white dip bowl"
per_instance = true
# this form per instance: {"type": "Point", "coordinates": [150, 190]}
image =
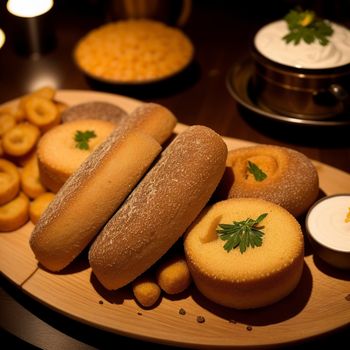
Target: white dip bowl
{"type": "Point", "coordinates": [328, 231]}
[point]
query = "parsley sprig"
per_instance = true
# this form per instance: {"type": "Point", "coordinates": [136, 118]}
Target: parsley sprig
{"type": "Point", "coordinates": [305, 25]}
{"type": "Point", "coordinates": [242, 234]}
{"type": "Point", "coordinates": [82, 138]}
{"type": "Point", "coordinates": [258, 174]}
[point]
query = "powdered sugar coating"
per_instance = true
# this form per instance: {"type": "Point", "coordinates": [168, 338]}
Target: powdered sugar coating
{"type": "Point", "coordinates": [91, 195]}
{"type": "Point", "coordinates": [94, 110]}
{"type": "Point", "coordinates": [161, 207]}
{"type": "Point", "coordinates": [292, 179]}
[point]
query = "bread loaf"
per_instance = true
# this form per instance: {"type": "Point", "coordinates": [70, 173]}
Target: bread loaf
{"type": "Point", "coordinates": [91, 195]}
{"type": "Point", "coordinates": [153, 119]}
{"type": "Point", "coordinates": [160, 208]}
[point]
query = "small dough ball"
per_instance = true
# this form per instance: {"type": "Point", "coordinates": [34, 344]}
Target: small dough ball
{"type": "Point", "coordinates": [9, 181]}
{"type": "Point", "coordinates": [39, 205]}
{"type": "Point", "coordinates": [30, 179]}
{"type": "Point", "coordinates": [14, 214]}
{"type": "Point", "coordinates": [173, 275]}
{"type": "Point", "coordinates": [21, 139]}
{"type": "Point", "coordinates": [146, 290]}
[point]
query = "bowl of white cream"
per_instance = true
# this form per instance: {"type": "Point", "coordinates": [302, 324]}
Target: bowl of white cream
{"type": "Point", "coordinates": [328, 229]}
{"type": "Point", "coordinates": [307, 80]}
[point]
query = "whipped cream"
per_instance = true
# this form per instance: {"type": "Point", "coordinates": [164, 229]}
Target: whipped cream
{"type": "Point", "coordinates": [268, 41]}
{"type": "Point", "coordinates": [326, 222]}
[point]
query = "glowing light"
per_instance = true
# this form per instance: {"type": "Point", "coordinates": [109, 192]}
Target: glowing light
{"type": "Point", "coordinates": [43, 79]}
{"type": "Point", "coordinates": [29, 8]}
{"type": "Point", "coordinates": [2, 38]}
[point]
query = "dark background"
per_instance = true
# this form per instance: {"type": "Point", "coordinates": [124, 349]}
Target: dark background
{"type": "Point", "coordinates": [221, 32]}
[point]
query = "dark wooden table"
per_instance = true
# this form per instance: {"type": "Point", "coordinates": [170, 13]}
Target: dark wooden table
{"type": "Point", "coordinates": [221, 32]}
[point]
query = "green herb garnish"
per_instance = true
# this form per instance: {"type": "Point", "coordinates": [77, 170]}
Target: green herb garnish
{"type": "Point", "coordinates": [305, 25]}
{"type": "Point", "coordinates": [244, 234]}
{"type": "Point", "coordinates": [259, 175]}
{"type": "Point", "coordinates": [82, 138]}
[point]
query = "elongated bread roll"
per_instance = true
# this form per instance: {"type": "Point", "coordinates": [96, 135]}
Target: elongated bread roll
{"type": "Point", "coordinates": [90, 196]}
{"type": "Point", "coordinates": [153, 119]}
{"type": "Point", "coordinates": [160, 208]}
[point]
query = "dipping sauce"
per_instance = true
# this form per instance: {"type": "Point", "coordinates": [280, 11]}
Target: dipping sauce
{"type": "Point", "coordinates": [268, 41]}
{"type": "Point", "coordinates": [327, 226]}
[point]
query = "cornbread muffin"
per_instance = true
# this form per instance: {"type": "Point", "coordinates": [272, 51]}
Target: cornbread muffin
{"type": "Point", "coordinates": [133, 51]}
{"type": "Point", "coordinates": [59, 154]}
{"type": "Point", "coordinates": [257, 277]}
{"type": "Point", "coordinates": [277, 174]}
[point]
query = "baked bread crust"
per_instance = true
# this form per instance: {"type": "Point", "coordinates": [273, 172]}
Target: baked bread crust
{"type": "Point", "coordinates": [93, 193]}
{"type": "Point", "coordinates": [90, 196]}
{"type": "Point", "coordinates": [292, 179]}
{"type": "Point", "coordinates": [94, 110]}
{"type": "Point", "coordinates": [152, 119]}
{"type": "Point", "coordinates": [258, 277]}
{"type": "Point", "coordinates": [58, 156]}
{"type": "Point", "coordinates": [160, 208]}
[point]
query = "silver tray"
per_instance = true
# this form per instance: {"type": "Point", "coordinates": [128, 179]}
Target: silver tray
{"type": "Point", "coordinates": [239, 84]}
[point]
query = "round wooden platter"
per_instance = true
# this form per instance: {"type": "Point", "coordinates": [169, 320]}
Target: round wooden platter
{"type": "Point", "coordinates": [319, 304]}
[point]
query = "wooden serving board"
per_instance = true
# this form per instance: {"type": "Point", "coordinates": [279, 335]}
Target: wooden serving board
{"type": "Point", "coordinates": [318, 305]}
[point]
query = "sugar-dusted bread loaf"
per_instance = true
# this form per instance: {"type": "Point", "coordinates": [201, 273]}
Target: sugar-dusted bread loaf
{"type": "Point", "coordinates": [58, 154]}
{"type": "Point", "coordinates": [94, 110]}
{"type": "Point", "coordinates": [92, 194]}
{"type": "Point", "coordinates": [90, 197]}
{"type": "Point", "coordinates": [160, 208]}
{"type": "Point", "coordinates": [153, 119]}
{"type": "Point", "coordinates": [257, 277]}
{"type": "Point", "coordinates": [291, 179]}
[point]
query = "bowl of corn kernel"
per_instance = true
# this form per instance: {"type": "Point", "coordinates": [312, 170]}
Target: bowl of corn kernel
{"type": "Point", "coordinates": [135, 51]}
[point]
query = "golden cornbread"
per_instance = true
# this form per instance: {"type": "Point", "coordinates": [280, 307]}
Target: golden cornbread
{"type": "Point", "coordinates": [58, 156]}
{"type": "Point", "coordinates": [292, 179]}
{"type": "Point", "coordinates": [133, 50]}
{"type": "Point", "coordinates": [258, 277]}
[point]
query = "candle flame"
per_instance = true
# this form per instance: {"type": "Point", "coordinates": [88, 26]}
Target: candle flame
{"type": "Point", "coordinates": [26, 8]}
